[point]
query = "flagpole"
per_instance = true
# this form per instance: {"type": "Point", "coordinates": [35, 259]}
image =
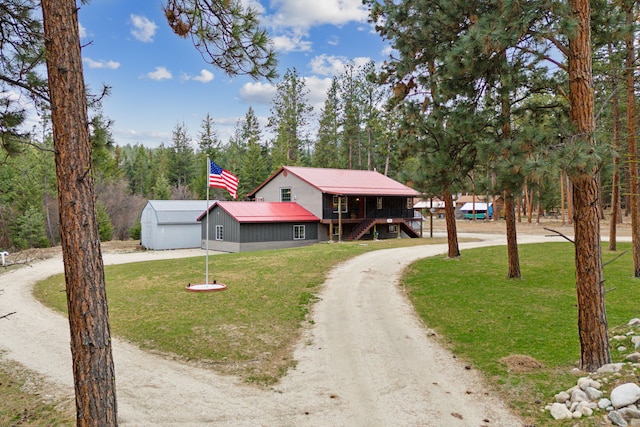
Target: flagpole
{"type": "Point", "coordinates": [207, 227]}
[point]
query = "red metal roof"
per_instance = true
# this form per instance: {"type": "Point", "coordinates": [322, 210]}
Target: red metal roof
{"type": "Point", "coordinates": [347, 182]}
{"type": "Point", "coordinates": [265, 212]}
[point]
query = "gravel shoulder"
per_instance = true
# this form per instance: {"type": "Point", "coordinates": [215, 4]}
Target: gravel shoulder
{"type": "Point", "coordinates": [367, 360]}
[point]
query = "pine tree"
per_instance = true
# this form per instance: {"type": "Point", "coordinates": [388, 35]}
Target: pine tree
{"type": "Point", "coordinates": [254, 166]}
{"type": "Point", "coordinates": [325, 152]}
{"type": "Point", "coordinates": [290, 114]}
{"type": "Point", "coordinates": [208, 140]}
{"type": "Point", "coordinates": [351, 118]}
{"type": "Point", "coordinates": [181, 157]}
{"type": "Point", "coordinates": [592, 319]}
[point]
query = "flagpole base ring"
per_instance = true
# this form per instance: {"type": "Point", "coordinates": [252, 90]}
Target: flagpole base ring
{"type": "Point", "coordinates": [206, 287]}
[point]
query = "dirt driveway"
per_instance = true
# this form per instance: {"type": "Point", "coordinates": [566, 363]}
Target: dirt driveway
{"type": "Point", "coordinates": [367, 361]}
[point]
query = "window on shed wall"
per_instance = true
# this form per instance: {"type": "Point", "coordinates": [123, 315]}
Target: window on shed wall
{"type": "Point", "coordinates": [285, 194]}
{"type": "Point", "coordinates": [378, 202]}
{"type": "Point", "coordinates": [298, 232]}
{"type": "Point", "coordinates": [393, 228]}
{"type": "Point", "coordinates": [219, 232]}
{"type": "Point", "coordinates": [409, 203]}
{"type": "Point", "coordinates": [343, 204]}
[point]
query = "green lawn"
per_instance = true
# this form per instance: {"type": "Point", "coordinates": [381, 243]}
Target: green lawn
{"type": "Point", "coordinates": [484, 317]}
{"type": "Point", "coordinates": [250, 329]}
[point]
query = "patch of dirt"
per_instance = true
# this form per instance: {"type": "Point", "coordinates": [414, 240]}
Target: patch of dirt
{"type": "Point", "coordinates": [524, 227]}
{"type": "Point", "coordinates": [520, 363]}
{"type": "Point", "coordinates": [37, 254]}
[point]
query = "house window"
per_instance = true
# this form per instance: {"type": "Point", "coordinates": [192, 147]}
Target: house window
{"type": "Point", "coordinates": [343, 203]}
{"type": "Point", "coordinates": [393, 228]}
{"type": "Point", "coordinates": [379, 203]}
{"type": "Point", "coordinates": [409, 203]}
{"type": "Point", "coordinates": [219, 232]}
{"type": "Point", "coordinates": [285, 194]}
{"type": "Point", "coordinates": [298, 232]}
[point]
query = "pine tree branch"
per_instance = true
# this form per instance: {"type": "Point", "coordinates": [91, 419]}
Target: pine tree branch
{"type": "Point", "coordinates": [26, 87]}
{"type": "Point", "coordinates": [560, 234]}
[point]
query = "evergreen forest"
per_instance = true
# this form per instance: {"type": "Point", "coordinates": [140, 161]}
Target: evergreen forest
{"type": "Point", "coordinates": [462, 119]}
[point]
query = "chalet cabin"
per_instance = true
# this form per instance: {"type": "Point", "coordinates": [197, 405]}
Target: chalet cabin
{"type": "Point", "coordinates": [350, 204]}
{"type": "Point", "coordinates": [251, 226]}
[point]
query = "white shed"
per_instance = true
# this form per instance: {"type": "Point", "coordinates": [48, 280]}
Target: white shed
{"type": "Point", "coordinates": [172, 224]}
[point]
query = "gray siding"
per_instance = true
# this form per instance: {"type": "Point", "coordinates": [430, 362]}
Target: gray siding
{"type": "Point", "coordinates": [231, 227]}
{"type": "Point", "coordinates": [275, 232]}
{"type": "Point", "coordinates": [301, 192]}
{"type": "Point", "coordinates": [253, 236]}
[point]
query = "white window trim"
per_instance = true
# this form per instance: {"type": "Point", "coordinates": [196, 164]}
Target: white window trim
{"type": "Point", "coordinates": [219, 232]}
{"type": "Point", "coordinates": [300, 232]}
{"type": "Point", "coordinates": [379, 203]}
{"type": "Point", "coordinates": [345, 204]}
{"type": "Point", "coordinates": [290, 195]}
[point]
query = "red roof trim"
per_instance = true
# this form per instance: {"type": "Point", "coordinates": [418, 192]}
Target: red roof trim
{"type": "Point", "coordinates": [356, 182]}
{"type": "Point", "coordinates": [263, 212]}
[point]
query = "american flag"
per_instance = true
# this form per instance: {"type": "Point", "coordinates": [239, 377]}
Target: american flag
{"type": "Point", "coordinates": [220, 178]}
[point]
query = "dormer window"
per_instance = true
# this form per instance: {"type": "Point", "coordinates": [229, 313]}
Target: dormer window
{"type": "Point", "coordinates": [285, 194]}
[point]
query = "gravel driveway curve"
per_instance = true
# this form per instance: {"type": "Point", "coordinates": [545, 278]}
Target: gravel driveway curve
{"type": "Point", "coordinates": [367, 360]}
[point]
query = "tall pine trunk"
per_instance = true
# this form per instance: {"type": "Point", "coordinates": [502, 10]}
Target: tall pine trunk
{"type": "Point", "coordinates": [512, 238]}
{"type": "Point", "coordinates": [450, 219]}
{"type": "Point", "coordinates": [509, 213]}
{"type": "Point", "coordinates": [615, 180]}
{"type": "Point", "coordinates": [93, 369]}
{"type": "Point", "coordinates": [631, 143]}
{"type": "Point", "coordinates": [592, 319]}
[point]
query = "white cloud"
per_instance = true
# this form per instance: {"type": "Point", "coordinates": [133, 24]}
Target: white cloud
{"type": "Point", "coordinates": [327, 65]}
{"type": "Point", "coordinates": [318, 88]}
{"type": "Point", "coordinates": [147, 138]}
{"type": "Point", "coordinates": [257, 92]}
{"type": "Point", "coordinates": [143, 28]}
{"type": "Point", "coordinates": [360, 61]}
{"type": "Point", "coordinates": [333, 41]}
{"type": "Point", "coordinates": [331, 65]}
{"type": "Point", "coordinates": [388, 51]}
{"type": "Point", "coordinates": [160, 73]}
{"type": "Point", "coordinates": [291, 43]}
{"type": "Point", "coordinates": [254, 5]}
{"type": "Point", "coordinates": [292, 20]}
{"type": "Point", "coordinates": [205, 76]}
{"type": "Point", "coordinates": [82, 31]}
{"type": "Point", "coordinates": [305, 14]}
{"type": "Point", "coordinates": [111, 65]}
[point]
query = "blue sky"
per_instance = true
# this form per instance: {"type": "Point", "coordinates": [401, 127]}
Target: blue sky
{"type": "Point", "coordinates": [159, 79]}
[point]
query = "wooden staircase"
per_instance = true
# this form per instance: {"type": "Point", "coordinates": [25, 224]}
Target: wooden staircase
{"type": "Point", "coordinates": [361, 229]}
{"type": "Point", "coordinates": [364, 227]}
{"type": "Point", "coordinates": [409, 231]}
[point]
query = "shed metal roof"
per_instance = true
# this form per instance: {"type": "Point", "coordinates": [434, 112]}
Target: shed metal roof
{"type": "Point", "coordinates": [478, 206]}
{"type": "Point", "coordinates": [245, 212]}
{"type": "Point", "coordinates": [347, 182]}
{"type": "Point", "coordinates": [179, 211]}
